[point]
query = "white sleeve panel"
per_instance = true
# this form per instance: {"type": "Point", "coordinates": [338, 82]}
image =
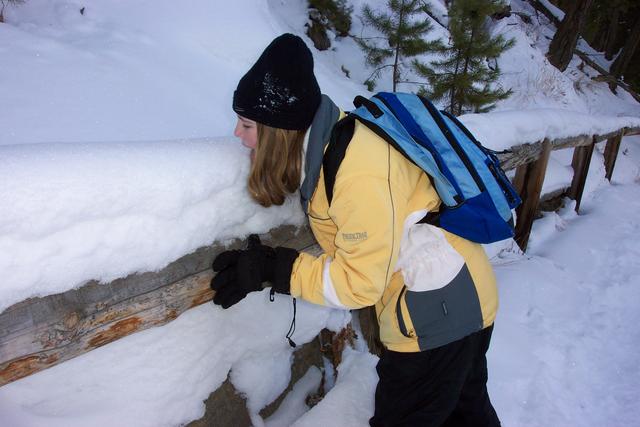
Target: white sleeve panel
{"type": "Point", "coordinates": [329, 291]}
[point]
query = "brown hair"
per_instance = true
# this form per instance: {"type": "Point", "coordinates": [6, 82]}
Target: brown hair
{"type": "Point", "coordinates": [276, 168]}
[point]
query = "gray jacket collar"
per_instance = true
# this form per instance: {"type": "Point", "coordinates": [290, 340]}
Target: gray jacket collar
{"type": "Point", "coordinates": [319, 134]}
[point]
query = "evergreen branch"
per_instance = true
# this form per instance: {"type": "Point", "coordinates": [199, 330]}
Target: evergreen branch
{"type": "Point", "coordinates": [412, 82]}
{"type": "Point", "coordinates": [377, 71]}
{"type": "Point", "coordinates": [427, 9]}
{"type": "Point", "coordinates": [367, 38]}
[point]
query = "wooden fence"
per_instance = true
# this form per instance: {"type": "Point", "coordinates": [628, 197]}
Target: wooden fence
{"type": "Point", "coordinates": [41, 332]}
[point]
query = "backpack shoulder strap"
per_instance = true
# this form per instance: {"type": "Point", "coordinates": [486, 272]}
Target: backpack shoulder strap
{"type": "Point", "coordinates": [336, 149]}
{"type": "Point", "coordinates": [341, 136]}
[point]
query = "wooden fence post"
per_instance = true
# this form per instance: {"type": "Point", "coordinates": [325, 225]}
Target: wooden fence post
{"type": "Point", "coordinates": [580, 163]}
{"type": "Point", "coordinates": [370, 329]}
{"type": "Point", "coordinates": [611, 154]}
{"type": "Point", "coordinates": [528, 182]}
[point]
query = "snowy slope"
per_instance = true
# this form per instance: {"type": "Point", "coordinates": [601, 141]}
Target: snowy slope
{"type": "Point", "coordinates": [566, 343]}
{"type": "Point", "coordinates": [130, 71]}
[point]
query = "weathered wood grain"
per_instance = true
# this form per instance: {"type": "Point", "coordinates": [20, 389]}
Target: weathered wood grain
{"type": "Point", "coordinates": [528, 182]}
{"type": "Point", "coordinates": [580, 163]}
{"type": "Point", "coordinates": [525, 153]}
{"type": "Point", "coordinates": [80, 333]}
{"type": "Point", "coordinates": [520, 155]}
{"type": "Point", "coordinates": [42, 332]}
{"type": "Point", "coordinates": [611, 154]}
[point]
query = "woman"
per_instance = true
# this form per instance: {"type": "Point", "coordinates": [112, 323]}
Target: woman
{"type": "Point", "coordinates": [434, 292]}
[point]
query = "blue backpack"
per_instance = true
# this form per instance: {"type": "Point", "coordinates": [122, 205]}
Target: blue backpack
{"type": "Point", "coordinates": [476, 195]}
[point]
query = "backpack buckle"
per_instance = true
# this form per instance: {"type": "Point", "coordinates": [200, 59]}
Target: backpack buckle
{"type": "Point", "coordinates": [371, 106]}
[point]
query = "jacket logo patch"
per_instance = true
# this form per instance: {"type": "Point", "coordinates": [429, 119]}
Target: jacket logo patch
{"type": "Point", "coordinates": [355, 237]}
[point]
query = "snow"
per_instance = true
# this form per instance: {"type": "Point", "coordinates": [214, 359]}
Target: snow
{"type": "Point", "coordinates": [568, 310]}
{"type": "Point", "coordinates": [132, 71]}
{"type": "Point", "coordinates": [82, 211]}
{"type": "Point", "coordinates": [503, 129]}
{"type": "Point", "coordinates": [160, 376]}
{"type": "Point", "coordinates": [350, 402]}
{"type": "Point", "coordinates": [116, 157]}
{"type": "Point", "coordinates": [563, 350]}
{"type": "Point", "coordinates": [555, 11]}
{"type": "Point", "coordinates": [537, 84]}
{"type": "Point", "coordinates": [293, 406]}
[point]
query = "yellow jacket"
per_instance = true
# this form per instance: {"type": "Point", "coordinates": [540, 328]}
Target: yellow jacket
{"type": "Point", "coordinates": [429, 287]}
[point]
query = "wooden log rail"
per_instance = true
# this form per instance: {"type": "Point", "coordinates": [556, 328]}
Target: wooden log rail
{"type": "Point", "coordinates": [530, 162]}
{"type": "Point", "coordinates": [41, 332]}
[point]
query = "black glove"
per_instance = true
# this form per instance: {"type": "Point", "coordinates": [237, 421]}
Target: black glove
{"type": "Point", "coordinates": [244, 271]}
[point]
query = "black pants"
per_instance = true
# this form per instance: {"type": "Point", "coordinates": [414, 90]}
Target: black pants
{"type": "Point", "coordinates": [446, 386]}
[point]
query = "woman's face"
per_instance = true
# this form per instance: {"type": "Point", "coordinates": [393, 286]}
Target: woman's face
{"type": "Point", "coordinates": [247, 131]}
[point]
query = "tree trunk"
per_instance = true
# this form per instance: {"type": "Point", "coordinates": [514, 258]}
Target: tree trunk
{"type": "Point", "coordinates": [465, 71]}
{"type": "Point", "coordinates": [566, 38]}
{"type": "Point", "coordinates": [396, 65]}
{"type": "Point", "coordinates": [453, 90]}
{"type": "Point", "coordinates": [610, 46]}
{"type": "Point", "coordinates": [605, 37]}
{"type": "Point", "coordinates": [620, 65]}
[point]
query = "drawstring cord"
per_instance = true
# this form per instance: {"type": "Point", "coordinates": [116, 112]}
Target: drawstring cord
{"type": "Point", "coordinates": [292, 327]}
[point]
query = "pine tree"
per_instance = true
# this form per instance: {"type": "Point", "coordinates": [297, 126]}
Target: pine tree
{"type": "Point", "coordinates": [403, 29]}
{"type": "Point", "coordinates": [463, 77]}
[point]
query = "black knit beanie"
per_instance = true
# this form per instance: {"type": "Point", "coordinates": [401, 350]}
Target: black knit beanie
{"type": "Point", "coordinates": [280, 90]}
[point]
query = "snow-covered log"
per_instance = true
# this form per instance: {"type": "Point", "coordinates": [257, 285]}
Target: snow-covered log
{"type": "Point", "coordinates": [526, 153]}
{"type": "Point", "coordinates": [41, 332]}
